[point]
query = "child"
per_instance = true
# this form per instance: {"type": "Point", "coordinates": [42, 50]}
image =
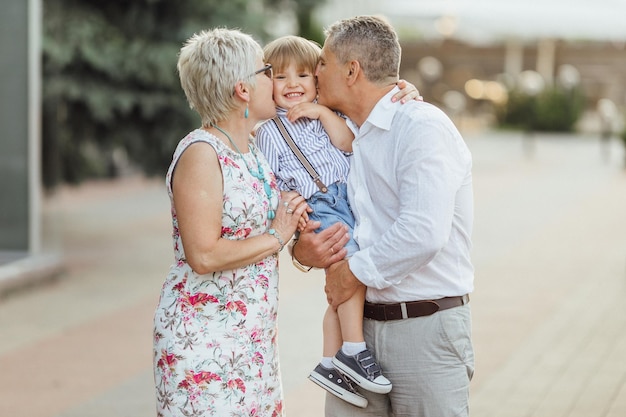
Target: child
{"type": "Point", "coordinates": [315, 129]}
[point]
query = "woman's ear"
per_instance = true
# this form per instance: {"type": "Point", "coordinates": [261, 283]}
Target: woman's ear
{"type": "Point", "coordinates": [242, 90]}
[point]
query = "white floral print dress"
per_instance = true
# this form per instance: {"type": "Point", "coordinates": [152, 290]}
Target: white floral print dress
{"type": "Point", "coordinates": [215, 350]}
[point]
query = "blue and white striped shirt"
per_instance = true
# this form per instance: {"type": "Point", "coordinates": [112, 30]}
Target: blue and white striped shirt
{"type": "Point", "coordinates": [330, 163]}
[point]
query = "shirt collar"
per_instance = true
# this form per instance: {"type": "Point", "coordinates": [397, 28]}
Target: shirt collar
{"type": "Point", "coordinates": [382, 114]}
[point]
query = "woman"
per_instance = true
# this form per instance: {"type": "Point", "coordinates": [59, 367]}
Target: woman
{"type": "Point", "coordinates": [215, 351]}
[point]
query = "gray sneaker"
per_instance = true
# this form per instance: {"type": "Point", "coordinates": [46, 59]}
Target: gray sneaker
{"type": "Point", "coordinates": [335, 383]}
{"type": "Point", "coordinates": [363, 369]}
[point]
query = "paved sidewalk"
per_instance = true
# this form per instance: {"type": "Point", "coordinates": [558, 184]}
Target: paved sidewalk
{"type": "Point", "coordinates": [549, 320]}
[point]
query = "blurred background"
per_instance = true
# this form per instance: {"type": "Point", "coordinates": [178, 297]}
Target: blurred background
{"type": "Point", "coordinates": [91, 111]}
{"type": "Point", "coordinates": [112, 104]}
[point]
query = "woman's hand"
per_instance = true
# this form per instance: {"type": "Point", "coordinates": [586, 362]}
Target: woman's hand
{"type": "Point", "coordinates": [291, 212]}
{"type": "Point", "coordinates": [407, 92]}
{"type": "Point", "coordinates": [286, 196]}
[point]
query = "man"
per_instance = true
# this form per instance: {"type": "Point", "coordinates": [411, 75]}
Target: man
{"type": "Point", "coordinates": [410, 188]}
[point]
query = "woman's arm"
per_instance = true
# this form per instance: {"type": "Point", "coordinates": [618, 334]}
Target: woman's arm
{"type": "Point", "coordinates": [198, 196]}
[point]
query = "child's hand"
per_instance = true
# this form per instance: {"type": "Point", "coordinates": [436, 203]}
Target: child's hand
{"type": "Point", "coordinates": [310, 110]}
{"type": "Point", "coordinates": [407, 92]}
{"type": "Point", "coordinates": [302, 224]}
{"type": "Point", "coordinates": [304, 219]}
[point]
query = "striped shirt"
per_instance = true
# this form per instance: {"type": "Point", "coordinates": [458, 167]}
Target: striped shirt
{"type": "Point", "coordinates": [330, 163]}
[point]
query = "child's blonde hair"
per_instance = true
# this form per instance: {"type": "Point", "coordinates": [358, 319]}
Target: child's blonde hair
{"type": "Point", "coordinates": [290, 49]}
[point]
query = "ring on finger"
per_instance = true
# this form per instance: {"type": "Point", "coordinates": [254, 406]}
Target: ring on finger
{"type": "Point", "coordinates": [286, 203]}
{"type": "Point", "coordinates": [289, 210]}
{"type": "Point", "coordinates": [332, 250]}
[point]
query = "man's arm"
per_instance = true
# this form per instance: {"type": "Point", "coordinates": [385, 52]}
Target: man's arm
{"type": "Point", "coordinates": [320, 250]}
{"type": "Point", "coordinates": [429, 166]}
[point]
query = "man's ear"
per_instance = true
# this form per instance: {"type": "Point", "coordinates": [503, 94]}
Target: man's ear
{"type": "Point", "coordinates": [354, 69]}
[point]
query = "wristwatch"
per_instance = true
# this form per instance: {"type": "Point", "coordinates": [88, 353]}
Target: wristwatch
{"type": "Point", "coordinates": [295, 262]}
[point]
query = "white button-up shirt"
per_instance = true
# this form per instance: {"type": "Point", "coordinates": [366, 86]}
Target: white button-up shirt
{"type": "Point", "coordinates": [410, 188]}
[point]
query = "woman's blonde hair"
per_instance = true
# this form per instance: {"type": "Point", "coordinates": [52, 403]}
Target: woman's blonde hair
{"type": "Point", "coordinates": [210, 64]}
{"type": "Point", "coordinates": [288, 50]}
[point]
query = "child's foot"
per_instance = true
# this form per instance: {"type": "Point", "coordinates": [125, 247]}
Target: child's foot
{"type": "Point", "coordinates": [335, 383]}
{"type": "Point", "coordinates": [363, 369]}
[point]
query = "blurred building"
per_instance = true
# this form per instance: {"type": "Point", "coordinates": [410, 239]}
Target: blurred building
{"type": "Point", "coordinates": [494, 44]}
{"type": "Point", "coordinates": [22, 258]}
{"type": "Point", "coordinates": [442, 67]}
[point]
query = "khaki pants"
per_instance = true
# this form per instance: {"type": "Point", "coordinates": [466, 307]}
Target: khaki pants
{"type": "Point", "coordinates": [430, 362]}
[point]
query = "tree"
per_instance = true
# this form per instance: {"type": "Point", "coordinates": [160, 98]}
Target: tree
{"type": "Point", "coordinates": [110, 87]}
{"type": "Point", "coordinates": [110, 84]}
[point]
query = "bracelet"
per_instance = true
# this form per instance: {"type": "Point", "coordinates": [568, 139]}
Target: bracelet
{"type": "Point", "coordinates": [294, 261]}
{"type": "Point", "coordinates": [274, 233]}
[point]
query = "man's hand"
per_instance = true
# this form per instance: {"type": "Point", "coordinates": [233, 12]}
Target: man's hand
{"type": "Point", "coordinates": [321, 249]}
{"type": "Point", "coordinates": [341, 283]}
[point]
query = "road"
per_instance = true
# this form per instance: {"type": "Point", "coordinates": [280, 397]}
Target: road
{"type": "Point", "coordinates": [549, 319]}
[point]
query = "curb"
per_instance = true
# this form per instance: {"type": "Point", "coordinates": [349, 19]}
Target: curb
{"type": "Point", "coordinates": [29, 270]}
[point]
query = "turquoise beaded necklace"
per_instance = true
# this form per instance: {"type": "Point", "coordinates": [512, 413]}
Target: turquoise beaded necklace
{"type": "Point", "coordinates": [259, 174]}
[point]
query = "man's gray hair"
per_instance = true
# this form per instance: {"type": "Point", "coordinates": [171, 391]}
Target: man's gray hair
{"type": "Point", "coordinates": [210, 64]}
{"type": "Point", "coordinates": [372, 41]}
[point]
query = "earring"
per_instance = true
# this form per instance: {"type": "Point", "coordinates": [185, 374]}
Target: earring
{"type": "Point", "coordinates": [245, 113]}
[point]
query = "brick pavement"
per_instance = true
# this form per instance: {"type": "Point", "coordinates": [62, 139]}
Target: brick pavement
{"type": "Point", "coordinates": [549, 323]}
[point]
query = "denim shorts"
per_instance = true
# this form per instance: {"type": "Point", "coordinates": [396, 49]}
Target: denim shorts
{"type": "Point", "coordinates": [332, 207]}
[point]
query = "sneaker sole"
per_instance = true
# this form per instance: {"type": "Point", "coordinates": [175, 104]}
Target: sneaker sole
{"type": "Point", "coordinates": [338, 392]}
{"type": "Point", "coordinates": [361, 381]}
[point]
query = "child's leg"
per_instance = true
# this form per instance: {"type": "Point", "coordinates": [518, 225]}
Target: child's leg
{"type": "Point", "coordinates": [344, 327]}
{"type": "Point", "coordinates": [331, 333]}
{"type": "Point", "coordinates": [350, 316]}
{"type": "Point", "coordinates": [325, 374]}
{"type": "Point", "coordinates": [354, 359]}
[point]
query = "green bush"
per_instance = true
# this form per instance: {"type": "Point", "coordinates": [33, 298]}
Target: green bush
{"type": "Point", "coordinates": [517, 112]}
{"type": "Point", "coordinates": [553, 110]}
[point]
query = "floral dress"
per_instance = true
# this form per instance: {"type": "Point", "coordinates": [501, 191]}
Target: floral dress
{"type": "Point", "coordinates": [215, 350]}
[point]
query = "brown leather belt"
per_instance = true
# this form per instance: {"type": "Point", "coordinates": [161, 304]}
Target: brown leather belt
{"type": "Point", "coordinates": [384, 312]}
